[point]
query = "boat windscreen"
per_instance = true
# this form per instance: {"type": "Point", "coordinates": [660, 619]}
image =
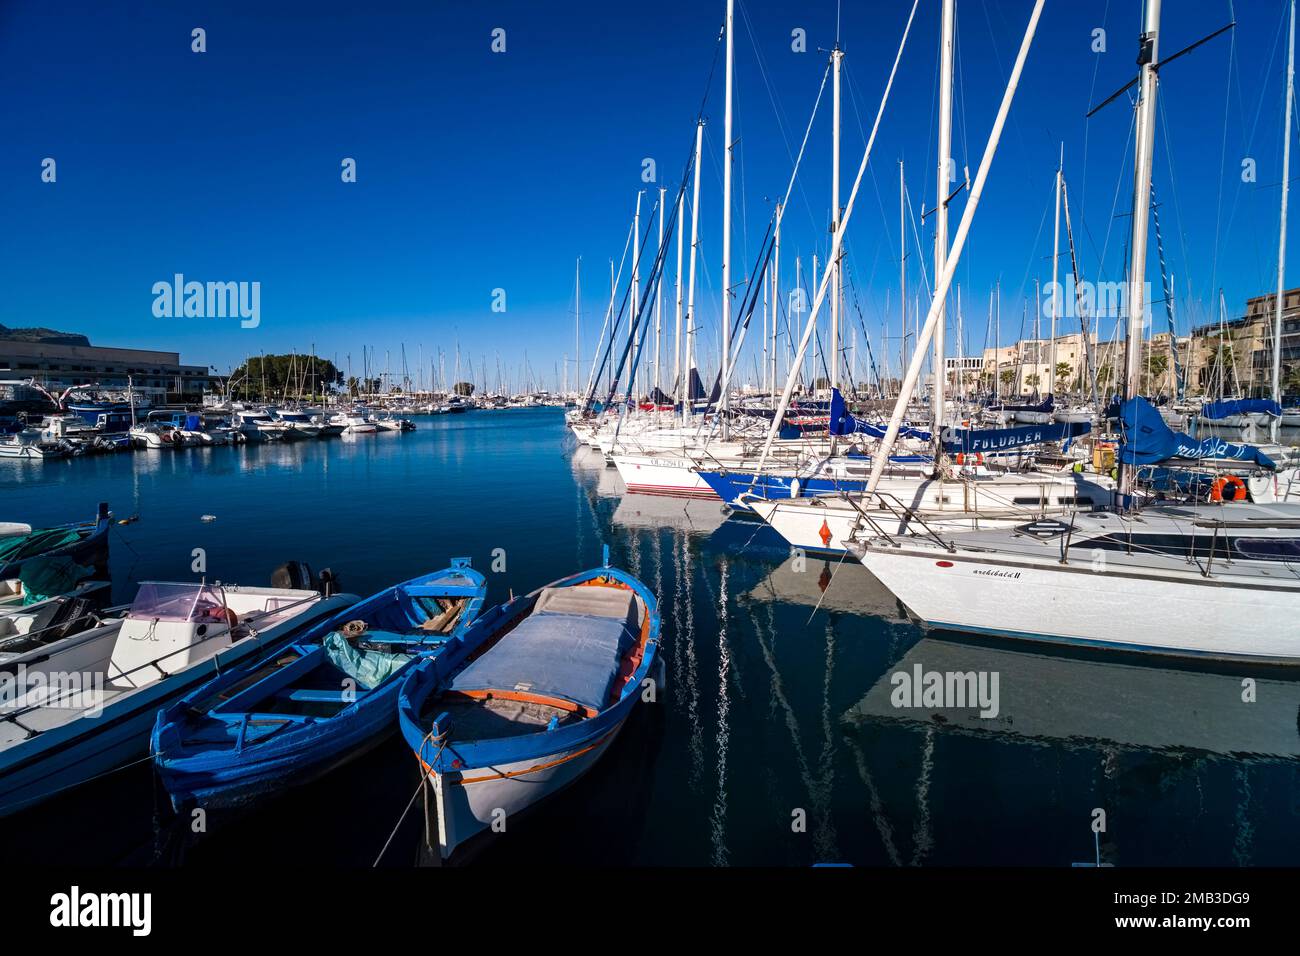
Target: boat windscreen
{"type": "Point", "coordinates": [176, 602]}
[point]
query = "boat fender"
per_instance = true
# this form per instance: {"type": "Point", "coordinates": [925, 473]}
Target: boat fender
{"type": "Point", "coordinates": [1228, 488]}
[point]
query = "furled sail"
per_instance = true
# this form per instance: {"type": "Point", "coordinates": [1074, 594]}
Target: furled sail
{"type": "Point", "coordinates": [1147, 440]}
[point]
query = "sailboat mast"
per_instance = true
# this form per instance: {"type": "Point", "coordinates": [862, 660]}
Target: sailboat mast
{"type": "Point", "coordinates": [577, 327]}
{"type": "Point", "coordinates": [941, 206]}
{"type": "Point", "coordinates": [1281, 237]}
{"type": "Point", "coordinates": [659, 296]}
{"type": "Point", "coordinates": [1056, 288]}
{"type": "Point", "coordinates": [636, 286]}
{"type": "Point", "coordinates": [689, 363]}
{"type": "Point", "coordinates": [776, 293]}
{"type": "Point", "coordinates": [1148, 57]}
{"type": "Point", "coordinates": [723, 404]}
{"type": "Point", "coordinates": [837, 56]}
{"type": "Point", "coordinates": [677, 312]}
{"type": "Point", "coordinates": [902, 262]}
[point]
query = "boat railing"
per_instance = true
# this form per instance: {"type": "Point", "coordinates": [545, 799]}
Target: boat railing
{"type": "Point", "coordinates": [900, 511]}
{"type": "Point", "coordinates": [58, 626]}
{"type": "Point", "coordinates": [247, 626]}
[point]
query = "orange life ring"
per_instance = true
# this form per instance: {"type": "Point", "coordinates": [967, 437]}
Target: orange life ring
{"type": "Point", "coordinates": [970, 458]}
{"type": "Point", "coordinates": [1238, 492]}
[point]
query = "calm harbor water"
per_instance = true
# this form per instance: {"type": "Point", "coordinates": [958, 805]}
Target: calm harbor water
{"type": "Point", "coordinates": [778, 703]}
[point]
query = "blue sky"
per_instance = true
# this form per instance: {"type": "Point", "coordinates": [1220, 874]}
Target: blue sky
{"type": "Point", "coordinates": [478, 170]}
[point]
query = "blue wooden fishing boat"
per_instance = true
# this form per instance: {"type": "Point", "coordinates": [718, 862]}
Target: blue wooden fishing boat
{"type": "Point", "coordinates": [294, 715]}
{"type": "Point", "coordinates": [82, 542]}
{"type": "Point", "coordinates": [529, 699]}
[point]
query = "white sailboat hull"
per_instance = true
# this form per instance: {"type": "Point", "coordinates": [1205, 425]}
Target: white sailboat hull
{"type": "Point", "coordinates": [647, 474]}
{"type": "Point", "coordinates": [1077, 604]}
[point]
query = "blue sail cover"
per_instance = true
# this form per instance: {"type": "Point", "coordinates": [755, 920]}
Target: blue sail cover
{"type": "Point", "coordinates": [1241, 406]}
{"type": "Point", "coordinates": [1147, 440]}
{"type": "Point", "coordinates": [1046, 405]}
{"type": "Point", "coordinates": [842, 423]}
{"type": "Point", "coordinates": [992, 440]}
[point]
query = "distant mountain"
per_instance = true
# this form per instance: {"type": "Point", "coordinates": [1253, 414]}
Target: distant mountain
{"type": "Point", "coordinates": [42, 336]}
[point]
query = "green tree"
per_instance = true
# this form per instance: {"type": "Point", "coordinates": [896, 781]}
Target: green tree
{"type": "Point", "coordinates": [1157, 366]}
{"type": "Point", "coordinates": [1008, 376]}
{"type": "Point", "coordinates": [1032, 380]}
{"type": "Point", "coordinates": [271, 377]}
{"type": "Point", "coordinates": [464, 389]}
{"type": "Point", "coordinates": [1062, 372]}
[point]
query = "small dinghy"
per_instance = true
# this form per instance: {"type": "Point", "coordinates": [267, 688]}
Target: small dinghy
{"type": "Point", "coordinates": [78, 701]}
{"type": "Point", "coordinates": [529, 700]}
{"type": "Point", "coordinates": [294, 715]}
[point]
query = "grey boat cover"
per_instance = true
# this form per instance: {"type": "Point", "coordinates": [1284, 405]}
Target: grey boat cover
{"type": "Point", "coordinates": [571, 647]}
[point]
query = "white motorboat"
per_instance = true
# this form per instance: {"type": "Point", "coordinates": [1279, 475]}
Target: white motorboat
{"type": "Point", "coordinates": [30, 443]}
{"type": "Point", "coordinates": [154, 435]}
{"type": "Point", "coordinates": [298, 424]}
{"type": "Point", "coordinates": [257, 425]}
{"type": "Point", "coordinates": [354, 422]}
{"type": "Point", "coordinates": [81, 705]}
{"type": "Point", "coordinates": [1075, 414]}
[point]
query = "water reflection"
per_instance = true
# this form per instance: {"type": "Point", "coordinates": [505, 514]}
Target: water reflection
{"type": "Point", "coordinates": [1085, 701]}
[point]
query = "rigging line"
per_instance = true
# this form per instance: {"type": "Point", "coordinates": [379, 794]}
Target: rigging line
{"type": "Point", "coordinates": [776, 110]}
{"type": "Point", "coordinates": [1087, 122]}
{"type": "Point", "coordinates": [1173, 190]}
{"type": "Point", "coordinates": [886, 218]}
{"type": "Point", "coordinates": [1114, 205]}
{"type": "Point", "coordinates": [916, 237]}
{"type": "Point", "coordinates": [1223, 154]}
{"type": "Point", "coordinates": [1254, 128]}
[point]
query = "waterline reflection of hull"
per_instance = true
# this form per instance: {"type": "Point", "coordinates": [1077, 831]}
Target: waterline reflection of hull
{"type": "Point", "coordinates": [651, 512]}
{"type": "Point", "coordinates": [1047, 697]}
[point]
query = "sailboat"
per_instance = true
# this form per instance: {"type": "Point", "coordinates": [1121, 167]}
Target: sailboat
{"type": "Point", "coordinates": [1174, 579]}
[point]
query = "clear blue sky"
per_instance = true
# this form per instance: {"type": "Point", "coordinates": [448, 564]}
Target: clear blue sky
{"type": "Point", "coordinates": [479, 171]}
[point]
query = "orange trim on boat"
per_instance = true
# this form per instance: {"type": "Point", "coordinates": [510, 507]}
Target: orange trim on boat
{"type": "Point", "coordinates": [533, 769]}
{"type": "Point", "coordinates": [524, 697]}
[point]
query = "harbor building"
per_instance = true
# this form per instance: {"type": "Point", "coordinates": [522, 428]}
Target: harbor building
{"type": "Point", "coordinates": [1235, 356]}
{"type": "Point", "coordinates": [56, 364]}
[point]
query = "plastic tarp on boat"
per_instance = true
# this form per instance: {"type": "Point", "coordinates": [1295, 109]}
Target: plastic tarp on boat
{"type": "Point", "coordinates": [1147, 440]}
{"type": "Point", "coordinates": [558, 653]}
{"type": "Point", "coordinates": [38, 542]}
{"type": "Point", "coordinates": [47, 576]}
{"type": "Point", "coordinates": [367, 668]}
{"type": "Point", "coordinates": [842, 423]}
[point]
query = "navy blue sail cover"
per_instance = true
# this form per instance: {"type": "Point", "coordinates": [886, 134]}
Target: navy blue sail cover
{"type": "Point", "coordinates": [842, 423]}
{"type": "Point", "coordinates": [992, 440]}
{"type": "Point", "coordinates": [572, 656]}
{"type": "Point", "coordinates": [1241, 406]}
{"type": "Point", "coordinates": [1147, 440]}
